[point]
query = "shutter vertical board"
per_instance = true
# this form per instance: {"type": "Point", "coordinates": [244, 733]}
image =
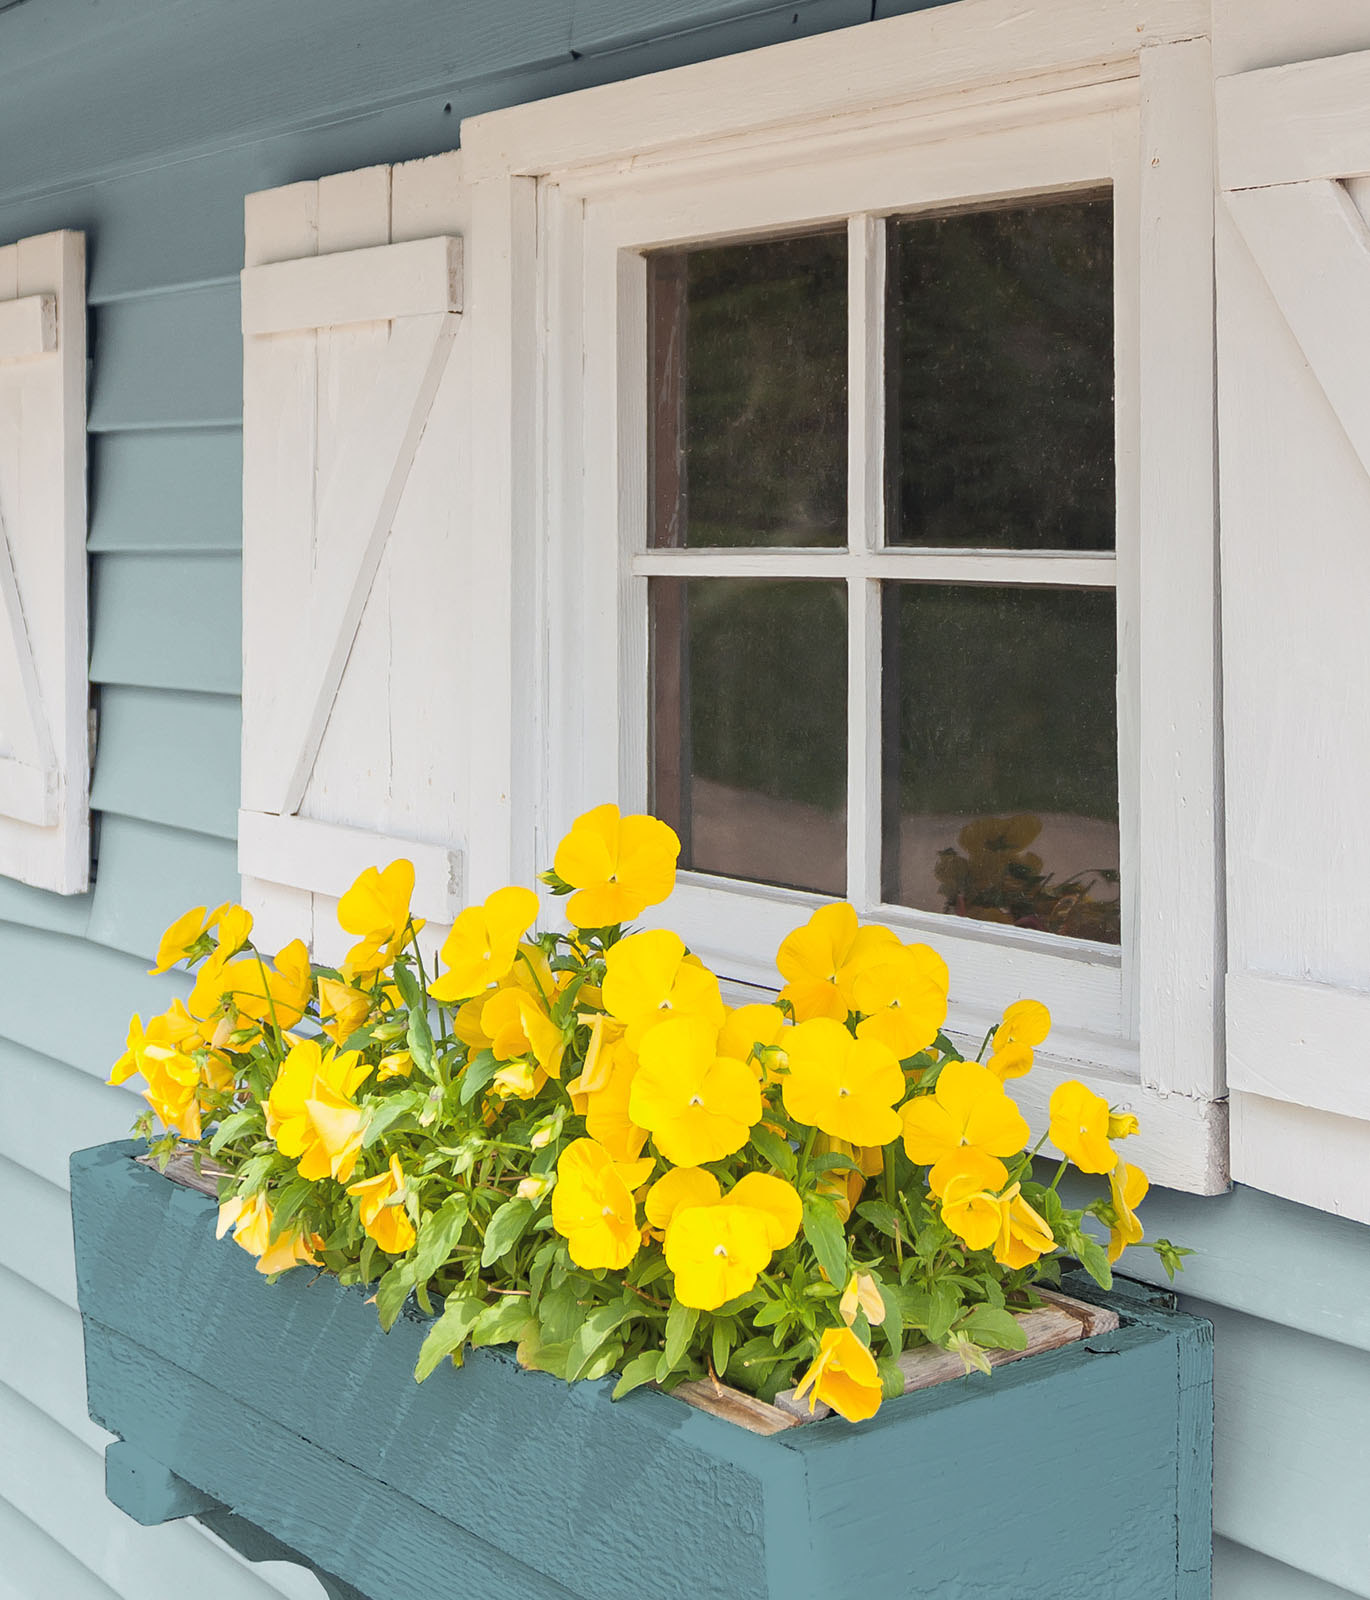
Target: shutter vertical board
{"type": "Point", "coordinates": [356, 683]}
{"type": "Point", "coordinates": [44, 737]}
{"type": "Point", "coordinates": [1293, 266]}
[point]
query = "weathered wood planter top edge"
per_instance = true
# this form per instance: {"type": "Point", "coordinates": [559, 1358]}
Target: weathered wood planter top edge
{"type": "Point", "coordinates": [284, 1404]}
{"type": "Point", "coordinates": [1062, 1320]}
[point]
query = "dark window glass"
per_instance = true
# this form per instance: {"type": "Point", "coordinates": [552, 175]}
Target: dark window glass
{"type": "Point", "coordinates": [749, 726]}
{"type": "Point", "coordinates": [1000, 378]}
{"type": "Point", "coordinates": [1000, 754]}
{"type": "Point", "coordinates": [748, 415]}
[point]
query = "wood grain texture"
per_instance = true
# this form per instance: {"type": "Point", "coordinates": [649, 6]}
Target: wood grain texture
{"type": "Point", "coordinates": [784, 1513]}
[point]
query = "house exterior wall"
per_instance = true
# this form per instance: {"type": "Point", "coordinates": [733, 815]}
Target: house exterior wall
{"type": "Point", "coordinates": [146, 126]}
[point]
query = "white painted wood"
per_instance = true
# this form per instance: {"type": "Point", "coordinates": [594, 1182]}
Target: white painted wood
{"type": "Point", "coordinates": [1314, 1157]}
{"type": "Point", "coordinates": [1177, 864]}
{"type": "Point", "coordinates": [1289, 124]}
{"type": "Point", "coordinates": [939, 51]}
{"type": "Point", "coordinates": [358, 677]}
{"type": "Point", "coordinates": [28, 327]}
{"type": "Point", "coordinates": [1251, 34]}
{"type": "Point", "coordinates": [44, 737]}
{"type": "Point", "coordinates": [1042, 569]}
{"type": "Point", "coordinates": [325, 857]}
{"type": "Point", "coordinates": [421, 277]}
{"type": "Point", "coordinates": [1305, 1043]}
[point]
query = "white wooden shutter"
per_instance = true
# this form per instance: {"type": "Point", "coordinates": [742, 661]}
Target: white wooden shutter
{"type": "Point", "coordinates": [44, 724]}
{"type": "Point", "coordinates": [1294, 443]}
{"type": "Point", "coordinates": [358, 669]}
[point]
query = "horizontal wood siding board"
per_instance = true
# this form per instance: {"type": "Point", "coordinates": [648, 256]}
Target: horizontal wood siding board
{"type": "Point", "coordinates": [36, 1564]}
{"type": "Point", "coordinates": [88, 1035]}
{"type": "Point", "coordinates": [58, 1484]}
{"type": "Point", "coordinates": [149, 874]}
{"type": "Point", "coordinates": [40, 1252]}
{"type": "Point", "coordinates": [1256, 1253]}
{"type": "Point", "coordinates": [42, 1357]}
{"type": "Point", "coordinates": [169, 757]}
{"type": "Point", "coordinates": [600, 26]}
{"type": "Point", "coordinates": [166, 491]}
{"type": "Point", "coordinates": [52, 1108]}
{"type": "Point", "coordinates": [1242, 1574]}
{"type": "Point", "coordinates": [1292, 1448]}
{"type": "Point", "coordinates": [168, 622]}
{"type": "Point", "coordinates": [168, 360]}
{"type": "Point", "coordinates": [43, 908]}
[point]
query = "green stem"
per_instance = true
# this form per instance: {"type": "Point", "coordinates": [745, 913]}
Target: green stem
{"type": "Point", "coordinates": [1060, 1173]}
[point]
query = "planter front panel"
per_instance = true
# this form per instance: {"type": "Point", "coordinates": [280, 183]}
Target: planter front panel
{"type": "Point", "coordinates": [1073, 1474]}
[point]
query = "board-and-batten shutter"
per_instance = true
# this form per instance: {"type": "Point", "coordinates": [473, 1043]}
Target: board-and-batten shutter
{"type": "Point", "coordinates": [1294, 441]}
{"type": "Point", "coordinates": [44, 695]}
{"type": "Point", "coordinates": [357, 657]}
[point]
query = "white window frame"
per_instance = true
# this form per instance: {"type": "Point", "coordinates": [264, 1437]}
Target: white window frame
{"type": "Point", "coordinates": [963, 103]}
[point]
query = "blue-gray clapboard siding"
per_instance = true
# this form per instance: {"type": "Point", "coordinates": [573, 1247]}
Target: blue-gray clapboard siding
{"type": "Point", "coordinates": [146, 125]}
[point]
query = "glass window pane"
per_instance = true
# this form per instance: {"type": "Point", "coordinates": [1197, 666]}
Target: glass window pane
{"type": "Point", "coordinates": [749, 726]}
{"type": "Point", "coordinates": [1000, 755]}
{"type": "Point", "coordinates": [748, 415]}
{"type": "Point", "coordinates": [1000, 378]}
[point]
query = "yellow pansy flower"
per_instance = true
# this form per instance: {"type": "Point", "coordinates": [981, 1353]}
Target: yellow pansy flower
{"type": "Point", "coordinates": [750, 1028]}
{"type": "Point", "coordinates": [519, 1080]}
{"type": "Point", "coordinates": [1023, 1232]}
{"type": "Point", "coordinates": [234, 925]}
{"type": "Point", "coordinates": [862, 1294]}
{"type": "Point", "coordinates": [903, 995]}
{"type": "Point", "coordinates": [843, 1376]}
{"type": "Point", "coordinates": [775, 1199]}
{"type": "Point", "coordinates": [678, 1188]}
{"type": "Point", "coordinates": [716, 1252]}
{"type": "Point", "coordinates": [619, 866]}
{"type": "Point", "coordinates": [376, 910]}
{"type": "Point", "coordinates": [1013, 1061]}
{"type": "Point", "coordinates": [968, 1107]}
{"type": "Point", "coordinates": [593, 1207]}
{"type": "Point", "coordinates": [841, 1185]}
{"type": "Point", "coordinates": [310, 1113]}
{"type": "Point", "coordinates": [180, 939]}
{"type": "Point", "coordinates": [383, 1218]}
{"type": "Point", "coordinates": [483, 945]}
{"type": "Point", "coordinates": [970, 1196]}
{"type": "Point", "coordinates": [607, 1115]}
{"type": "Point", "coordinates": [846, 1087]}
{"type": "Point", "coordinates": [518, 1025]}
{"type": "Point", "coordinates": [342, 1008]}
{"type": "Point", "coordinates": [251, 1224]}
{"type": "Point", "coordinates": [1079, 1127]}
{"type": "Point", "coordinates": [648, 976]}
{"type": "Point", "coordinates": [1128, 1187]}
{"type": "Point", "coordinates": [1122, 1125]}
{"type": "Point", "coordinates": [246, 992]}
{"type": "Point", "coordinates": [697, 1105]}
{"type": "Point", "coordinates": [821, 961]}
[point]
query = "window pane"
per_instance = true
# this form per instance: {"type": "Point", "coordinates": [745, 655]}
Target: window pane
{"type": "Point", "coordinates": [748, 416]}
{"type": "Point", "coordinates": [1000, 387]}
{"type": "Point", "coordinates": [1000, 754]}
{"type": "Point", "coordinates": [749, 726]}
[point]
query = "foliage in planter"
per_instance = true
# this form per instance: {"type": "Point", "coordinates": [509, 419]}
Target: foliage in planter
{"type": "Point", "coordinates": [573, 1141]}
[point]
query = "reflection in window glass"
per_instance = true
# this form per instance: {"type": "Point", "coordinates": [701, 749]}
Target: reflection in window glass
{"type": "Point", "coordinates": [749, 726]}
{"type": "Point", "coordinates": [748, 420]}
{"type": "Point", "coordinates": [1000, 378]}
{"type": "Point", "coordinates": [1000, 755]}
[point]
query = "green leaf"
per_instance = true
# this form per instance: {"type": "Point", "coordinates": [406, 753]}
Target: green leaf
{"type": "Point", "coordinates": [681, 1322]}
{"type": "Point", "coordinates": [892, 1324]}
{"type": "Point", "coordinates": [502, 1323]}
{"type": "Point", "coordinates": [775, 1150]}
{"type": "Point", "coordinates": [439, 1235]}
{"type": "Point", "coordinates": [641, 1369]}
{"type": "Point", "coordinates": [833, 1161]}
{"type": "Point", "coordinates": [420, 1039]}
{"type": "Point", "coordinates": [993, 1329]}
{"type": "Point", "coordinates": [1094, 1259]}
{"type": "Point", "coordinates": [721, 1344]}
{"type": "Point", "coordinates": [827, 1238]}
{"type": "Point", "coordinates": [592, 1333]}
{"type": "Point", "coordinates": [408, 985]}
{"type": "Point", "coordinates": [892, 1378]}
{"type": "Point", "coordinates": [448, 1333]}
{"type": "Point", "coordinates": [232, 1127]}
{"type": "Point", "coordinates": [880, 1214]}
{"type": "Point", "coordinates": [383, 1114]}
{"type": "Point", "coordinates": [479, 1073]}
{"type": "Point", "coordinates": [391, 1293]}
{"type": "Point", "coordinates": [505, 1229]}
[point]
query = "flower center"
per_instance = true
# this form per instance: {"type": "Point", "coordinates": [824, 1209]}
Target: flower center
{"type": "Point", "coordinates": [721, 1250]}
{"type": "Point", "coordinates": [696, 1100]}
{"type": "Point", "coordinates": [606, 1211]}
{"type": "Point", "coordinates": [842, 1092]}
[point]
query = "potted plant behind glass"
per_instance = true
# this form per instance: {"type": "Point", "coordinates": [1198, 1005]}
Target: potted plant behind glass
{"type": "Point", "coordinates": [566, 1153]}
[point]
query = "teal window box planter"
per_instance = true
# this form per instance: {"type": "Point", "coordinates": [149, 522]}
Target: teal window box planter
{"type": "Point", "coordinates": [284, 1419]}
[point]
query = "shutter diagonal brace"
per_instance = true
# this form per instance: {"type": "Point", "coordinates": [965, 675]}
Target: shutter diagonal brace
{"type": "Point", "coordinates": [1313, 250]}
{"type": "Point", "coordinates": [27, 786]}
{"type": "Point", "coordinates": [354, 517]}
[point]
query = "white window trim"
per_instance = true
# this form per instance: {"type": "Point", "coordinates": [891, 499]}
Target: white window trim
{"type": "Point", "coordinates": [1085, 93]}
